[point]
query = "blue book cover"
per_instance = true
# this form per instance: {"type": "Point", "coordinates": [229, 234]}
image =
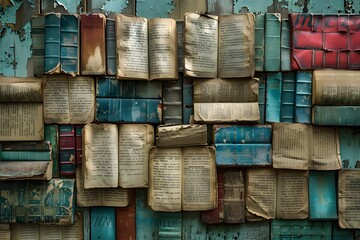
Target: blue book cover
{"type": "Point", "coordinates": [336, 115]}
{"type": "Point", "coordinates": [273, 96]}
{"type": "Point", "coordinates": [303, 97]}
{"type": "Point", "coordinates": [349, 139]}
{"type": "Point", "coordinates": [110, 47]}
{"type": "Point", "coordinates": [38, 43]}
{"type": "Point", "coordinates": [188, 103]}
{"type": "Point", "coordinates": [259, 42]}
{"type": "Point", "coordinates": [103, 225]}
{"type": "Point", "coordinates": [261, 98]}
{"type": "Point", "coordinates": [288, 97]}
{"type": "Point", "coordinates": [322, 195]}
{"type": "Point", "coordinates": [272, 42]}
{"type": "Point", "coordinates": [257, 154]}
{"type": "Point", "coordinates": [192, 227]}
{"type": "Point", "coordinates": [52, 43]}
{"type": "Point", "coordinates": [285, 45]}
{"type": "Point", "coordinates": [342, 234]}
{"type": "Point", "coordinates": [69, 37]}
{"type": "Point", "coordinates": [241, 134]}
{"type": "Point", "coordinates": [85, 212]}
{"type": "Point", "coordinates": [51, 134]}
{"type": "Point", "coordinates": [172, 102]}
{"type": "Point", "coordinates": [128, 110]}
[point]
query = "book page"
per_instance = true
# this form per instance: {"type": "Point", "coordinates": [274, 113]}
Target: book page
{"type": "Point", "coordinates": [336, 88]}
{"type": "Point", "coordinates": [41, 170]}
{"type": "Point", "coordinates": [4, 231]}
{"type": "Point", "coordinates": [20, 89]}
{"type": "Point", "coordinates": [76, 230]}
{"type": "Point", "coordinates": [199, 187]}
{"type": "Point", "coordinates": [165, 178]}
{"type": "Point", "coordinates": [348, 198]}
{"type": "Point", "coordinates": [291, 146]}
{"type": "Point", "coordinates": [56, 99]}
{"type": "Point", "coordinates": [325, 154]}
{"type": "Point", "coordinates": [260, 191]}
{"type": "Point", "coordinates": [25, 232]}
{"type": "Point", "coordinates": [100, 155]}
{"type": "Point", "coordinates": [86, 197]}
{"type": "Point", "coordinates": [82, 100]}
{"type": "Point", "coordinates": [201, 45]}
{"type": "Point", "coordinates": [132, 47]}
{"type": "Point", "coordinates": [163, 48]}
{"type": "Point", "coordinates": [234, 196]}
{"type": "Point", "coordinates": [236, 45]}
{"type": "Point", "coordinates": [135, 141]}
{"type": "Point", "coordinates": [292, 194]}
{"type": "Point", "coordinates": [115, 197]}
{"type": "Point", "coordinates": [50, 232]}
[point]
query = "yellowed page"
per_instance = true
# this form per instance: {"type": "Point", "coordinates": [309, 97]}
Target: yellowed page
{"type": "Point", "coordinates": [184, 6]}
{"type": "Point", "coordinates": [348, 198]}
{"type": "Point", "coordinates": [115, 197]}
{"type": "Point", "coordinates": [4, 231]}
{"type": "Point", "coordinates": [100, 155]}
{"type": "Point", "coordinates": [25, 232]}
{"type": "Point", "coordinates": [201, 45]}
{"type": "Point", "coordinates": [292, 194]}
{"type": "Point", "coordinates": [199, 187]}
{"type": "Point", "coordinates": [236, 45]}
{"type": "Point", "coordinates": [234, 196]}
{"type": "Point", "coordinates": [291, 146]}
{"type": "Point", "coordinates": [163, 48]}
{"type": "Point", "coordinates": [50, 232]}
{"type": "Point", "coordinates": [181, 135]}
{"type": "Point", "coordinates": [260, 192]}
{"type": "Point", "coordinates": [21, 170]}
{"type": "Point", "coordinates": [86, 197]}
{"type": "Point", "coordinates": [135, 141]}
{"type": "Point", "coordinates": [132, 47]}
{"type": "Point", "coordinates": [20, 89]}
{"type": "Point", "coordinates": [165, 179]}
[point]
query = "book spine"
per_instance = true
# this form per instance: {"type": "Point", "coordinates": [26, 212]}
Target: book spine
{"type": "Point", "coordinates": [262, 96]}
{"type": "Point", "coordinates": [126, 218]}
{"type": "Point", "coordinates": [220, 7]}
{"type": "Point", "coordinates": [51, 134]}
{"type": "Point", "coordinates": [188, 104]}
{"type": "Point", "coordinates": [285, 45]}
{"type": "Point", "coordinates": [257, 154]}
{"type": "Point", "coordinates": [110, 47]}
{"type": "Point", "coordinates": [272, 42]}
{"type": "Point", "coordinates": [67, 150]}
{"type": "Point", "coordinates": [336, 115]}
{"type": "Point", "coordinates": [288, 97]}
{"type": "Point", "coordinates": [38, 44]}
{"type": "Point", "coordinates": [69, 44]}
{"type": "Point", "coordinates": [234, 200]}
{"type": "Point", "coordinates": [259, 42]}
{"type": "Point", "coordinates": [146, 224]}
{"type": "Point", "coordinates": [303, 97]}
{"type": "Point", "coordinates": [242, 134]}
{"type": "Point", "coordinates": [103, 224]}
{"type": "Point", "coordinates": [25, 155]}
{"type": "Point", "coordinates": [52, 43]}
{"type": "Point", "coordinates": [180, 40]}
{"type": "Point", "coordinates": [170, 224]}
{"type": "Point", "coordinates": [273, 96]}
{"type": "Point", "coordinates": [349, 139]}
{"type": "Point", "coordinates": [108, 87]}
{"type": "Point", "coordinates": [78, 144]}
{"type": "Point", "coordinates": [172, 102]}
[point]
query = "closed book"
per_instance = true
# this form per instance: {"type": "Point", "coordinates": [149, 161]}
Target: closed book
{"type": "Point", "coordinates": [181, 135]}
{"type": "Point", "coordinates": [241, 134]}
{"type": "Point", "coordinates": [67, 150]}
{"type": "Point", "coordinates": [273, 96]}
{"type": "Point", "coordinates": [25, 151]}
{"type": "Point", "coordinates": [38, 44]}
{"type": "Point", "coordinates": [285, 45]}
{"type": "Point", "coordinates": [272, 42]}
{"type": "Point", "coordinates": [78, 144]}
{"type": "Point", "coordinates": [50, 202]}
{"type": "Point", "coordinates": [103, 223]}
{"type": "Point", "coordinates": [253, 154]}
{"type": "Point", "coordinates": [180, 41]}
{"type": "Point", "coordinates": [126, 219]}
{"type": "Point", "coordinates": [349, 139]}
{"type": "Point", "coordinates": [69, 44]}
{"type": "Point", "coordinates": [287, 107]}
{"type": "Point", "coordinates": [336, 115]}
{"type": "Point", "coordinates": [93, 50]}
{"type": "Point", "coordinates": [172, 102]}
{"type": "Point", "coordinates": [261, 97]}
{"type": "Point", "coordinates": [219, 7]}
{"type": "Point", "coordinates": [188, 102]}
{"type": "Point", "coordinates": [128, 110]}
{"type": "Point", "coordinates": [259, 42]}
{"type": "Point", "coordinates": [51, 133]}
{"type": "Point", "coordinates": [303, 97]}
{"type": "Point", "coordinates": [110, 47]}
{"type": "Point", "coordinates": [52, 43]}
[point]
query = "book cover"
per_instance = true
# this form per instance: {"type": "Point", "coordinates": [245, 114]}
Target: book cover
{"type": "Point", "coordinates": [110, 47]}
{"type": "Point", "coordinates": [259, 42]}
{"type": "Point", "coordinates": [69, 44]}
{"type": "Point", "coordinates": [248, 230]}
{"type": "Point", "coordinates": [52, 43]}
{"type": "Point", "coordinates": [180, 42]}
{"type": "Point", "coordinates": [192, 227]}
{"type": "Point", "coordinates": [67, 150]}
{"type": "Point", "coordinates": [38, 44]}
{"type": "Point", "coordinates": [272, 42]}
{"type": "Point", "coordinates": [285, 45]}
{"type": "Point", "coordinates": [303, 98]}
{"type": "Point", "coordinates": [103, 223]}
{"type": "Point", "coordinates": [262, 95]}
{"type": "Point", "coordinates": [25, 151]}
{"type": "Point", "coordinates": [241, 134]}
{"type": "Point", "coordinates": [273, 96]}
{"type": "Point", "coordinates": [336, 115]}
{"type": "Point", "coordinates": [287, 108]}
{"type": "Point", "coordinates": [172, 102]}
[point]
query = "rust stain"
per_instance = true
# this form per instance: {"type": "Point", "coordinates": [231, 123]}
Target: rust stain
{"type": "Point", "coordinates": [11, 25]}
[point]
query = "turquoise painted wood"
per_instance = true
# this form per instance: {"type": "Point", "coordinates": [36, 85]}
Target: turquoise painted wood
{"type": "Point", "coordinates": [273, 96]}
{"type": "Point", "coordinates": [103, 225]}
{"type": "Point", "coordinates": [192, 227]}
{"type": "Point", "coordinates": [272, 42]}
{"type": "Point", "coordinates": [242, 134]}
{"type": "Point", "coordinates": [259, 44]}
{"type": "Point", "coordinates": [349, 139]}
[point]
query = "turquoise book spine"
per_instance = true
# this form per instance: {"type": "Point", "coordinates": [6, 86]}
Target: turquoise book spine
{"type": "Point", "coordinates": [242, 134]}
{"type": "Point", "coordinates": [336, 115]}
{"type": "Point", "coordinates": [303, 97]}
{"type": "Point", "coordinates": [272, 42]}
{"type": "Point", "coordinates": [273, 96]}
{"type": "Point", "coordinates": [103, 224]}
{"type": "Point", "coordinates": [69, 44]}
{"type": "Point", "coordinates": [52, 43]}
{"type": "Point", "coordinates": [110, 47]}
{"type": "Point", "coordinates": [259, 42]}
{"type": "Point", "coordinates": [288, 97]}
{"type": "Point", "coordinates": [285, 45]}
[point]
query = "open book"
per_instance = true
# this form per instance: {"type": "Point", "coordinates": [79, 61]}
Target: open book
{"type": "Point", "coordinates": [116, 155]}
{"type": "Point", "coordinates": [219, 46]}
{"type": "Point", "coordinates": [182, 178]}
{"type": "Point", "coordinates": [146, 49]}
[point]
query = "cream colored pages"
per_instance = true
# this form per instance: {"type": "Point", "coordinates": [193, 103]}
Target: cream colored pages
{"type": "Point", "coordinates": [115, 197]}
{"type": "Point", "coordinates": [291, 145]}
{"type": "Point", "coordinates": [325, 153]}
{"type": "Point", "coordinates": [82, 100]}
{"type": "Point", "coordinates": [25, 232]}
{"type": "Point", "coordinates": [20, 170]}
{"type": "Point", "coordinates": [163, 48]}
{"type": "Point", "coordinates": [86, 197]}
{"type": "Point", "coordinates": [20, 89]}
{"type": "Point", "coordinates": [348, 198]}
{"type": "Point", "coordinates": [260, 192]}
{"type": "Point", "coordinates": [201, 45]}
{"type": "Point", "coordinates": [135, 141]}
{"type": "Point", "coordinates": [226, 90]}
{"type": "Point", "coordinates": [4, 231]}
{"type": "Point", "coordinates": [165, 178]}
{"type": "Point", "coordinates": [292, 194]}
{"type": "Point", "coordinates": [336, 87]}
{"type": "Point", "coordinates": [199, 187]}
{"type": "Point", "coordinates": [132, 47]}
{"type": "Point", "coordinates": [100, 155]}
{"type": "Point", "coordinates": [21, 121]}
{"type": "Point", "coordinates": [76, 230]}
{"type": "Point", "coordinates": [236, 46]}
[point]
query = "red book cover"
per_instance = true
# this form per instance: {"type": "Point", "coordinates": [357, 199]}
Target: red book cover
{"type": "Point", "coordinates": [67, 150]}
{"type": "Point", "coordinates": [126, 220]}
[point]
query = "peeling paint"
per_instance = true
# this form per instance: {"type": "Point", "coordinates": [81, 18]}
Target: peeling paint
{"type": "Point", "coordinates": [5, 3]}
{"type": "Point", "coordinates": [114, 6]}
{"type": "Point", "coordinates": [154, 8]}
{"type": "Point", "coordinates": [352, 6]}
{"type": "Point", "coordinates": [287, 6]}
{"type": "Point", "coordinates": [254, 6]}
{"type": "Point", "coordinates": [325, 6]}
{"type": "Point", "coordinates": [71, 6]}
{"type": "Point", "coordinates": [62, 6]}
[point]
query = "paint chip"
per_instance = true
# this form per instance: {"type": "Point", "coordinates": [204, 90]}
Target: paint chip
{"type": "Point", "coordinates": [114, 6]}
{"type": "Point", "coordinates": [154, 8]}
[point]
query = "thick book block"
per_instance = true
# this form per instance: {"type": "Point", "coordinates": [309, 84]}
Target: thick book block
{"type": "Point", "coordinates": [272, 42]}
{"type": "Point", "coordinates": [181, 135]}
{"type": "Point", "coordinates": [322, 195]}
{"type": "Point", "coordinates": [254, 154]}
{"type": "Point", "coordinates": [188, 102]}
{"type": "Point", "coordinates": [128, 110]}
{"type": "Point", "coordinates": [110, 87]}
{"type": "Point", "coordinates": [67, 150]}
{"type": "Point", "coordinates": [93, 50]}
{"type": "Point", "coordinates": [273, 96]}
{"type": "Point", "coordinates": [52, 43]}
{"type": "Point", "coordinates": [336, 115]}
{"type": "Point", "coordinates": [287, 108]}
{"type": "Point", "coordinates": [248, 230]}
{"type": "Point", "coordinates": [38, 44]}
{"type": "Point", "coordinates": [172, 102]}
{"type": "Point", "coordinates": [110, 47]}
{"type": "Point", "coordinates": [285, 45]}
{"type": "Point", "coordinates": [69, 44]}
{"type": "Point", "coordinates": [349, 139]}
{"type": "Point", "coordinates": [103, 225]}
{"type": "Point", "coordinates": [192, 227]}
{"type": "Point", "coordinates": [303, 97]}
{"type": "Point", "coordinates": [238, 134]}
{"type": "Point", "coordinates": [259, 42]}
{"type": "Point", "coordinates": [300, 229]}
{"type": "Point", "coordinates": [51, 134]}
{"type": "Point", "coordinates": [50, 202]}
{"type": "Point", "coordinates": [261, 97]}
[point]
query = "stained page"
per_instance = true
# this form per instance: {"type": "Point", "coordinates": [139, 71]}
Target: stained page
{"type": "Point", "coordinates": [25, 232]}
{"type": "Point", "coordinates": [20, 89]}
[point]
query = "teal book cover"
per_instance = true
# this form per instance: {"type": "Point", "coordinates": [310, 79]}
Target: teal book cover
{"type": "Point", "coordinates": [103, 224]}
{"type": "Point", "coordinates": [69, 44]}
{"type": "Point", "coordinates": [52, 43]}
{"type": "Point", "coordinates": [273, 96]}
{"type": "Point", "coordinates": [303, 98]}
{"type": "Point", "coordinates": [288, 97]}
{"type": "Point", "coordinates": [272, 42]}
{"type": "Point", "coordinates": [241, 134]}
